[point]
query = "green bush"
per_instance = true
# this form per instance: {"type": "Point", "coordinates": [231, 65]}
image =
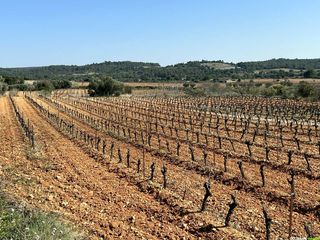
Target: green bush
{"type": "Point", "coordinates": [186, 84]}
{"type": "Point", "coordinates": [196, 92]}
{"type": "Point", "coordinates": [107, 87]}
{"type": "Point", "coordinates": [45, 85]}
{"type": "Point", "coordinates": [315, 93]}
{"type": "Point", "coordinates": [3, 88]}
{"type": "Point", "coordinates": [20, 87]}
{"type": "Point", "coordinates": [311, 73]}
{"type": "Point", "coordinates": [304, 89]}
{"type": "Point", "coordinates": [49, 85]}
{"type": "Point", "coordinates": [11, 80]}
{"type": "Point", "coordinates": [192, 84]}
{"type": "Point", "coordinates": [61, 84]}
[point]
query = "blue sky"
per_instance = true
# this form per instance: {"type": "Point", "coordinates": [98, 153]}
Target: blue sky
{"type": "Point", "coordinates": [46, 32]}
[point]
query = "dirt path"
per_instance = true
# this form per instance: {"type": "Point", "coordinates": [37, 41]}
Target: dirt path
{"type": "Point", "coordinates": [10, 132]}
{"type": "Point", "coordinates": [68, 181]}
{"type": "Point", "coordinates": [13, 149]}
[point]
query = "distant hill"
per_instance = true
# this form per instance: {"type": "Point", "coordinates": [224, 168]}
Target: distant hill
{"type": "Point", "coordinates": [218, 65]}
{"type": "Point", "coordinates": [190, 71]}
{"type": "Point", "coordinates": [48, 72]}
{"type": "Point", "coordinates": [301, 64]}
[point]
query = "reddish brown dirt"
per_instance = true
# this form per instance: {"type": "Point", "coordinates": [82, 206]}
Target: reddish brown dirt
{"type": "Point", "coordinates": [250, 205]}
{"type": "Point", "coordinates": [60, 177]}
{"type": "Point", "coordinates": [178, 182]}
{"type": "Point", "coordinates": [103, 198]}
{"type": "Point", "coordinates": [68, 181]}
{"type": "Point", "coordinates": [279, 186]}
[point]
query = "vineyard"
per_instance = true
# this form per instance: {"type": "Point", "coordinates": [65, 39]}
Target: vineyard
{"type": "Point", "coordinates": [145, 167]}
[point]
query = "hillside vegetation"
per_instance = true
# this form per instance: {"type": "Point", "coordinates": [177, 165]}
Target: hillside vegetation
{"type": "Point", "coordinates": [190, 71]}
{"type": "Point", "coordinates": [301, 64]}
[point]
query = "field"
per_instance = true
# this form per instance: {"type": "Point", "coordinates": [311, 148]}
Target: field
{"type": "Point", "coordinates": [292, 80]}
{"type": "Point", "coordinates": [140, 167]}
{"type": "Point", "coordinates": [154, 84]}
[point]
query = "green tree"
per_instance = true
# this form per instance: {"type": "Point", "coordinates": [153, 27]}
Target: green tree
{"type": "Point", "coordinates": [58, 84]}
{"type": "Point", "coordinates": [304, 89]}
{"type": "Point", "coordinates": [107, 87]}
{"type": "Point", "coordinates": [45, 85]}
{"type": "Point", "coordinates": [3, 88]}
{"type": "Point", "coordinates": [309, 73]}
{"type": "Point", "coordinates": [315, 93]}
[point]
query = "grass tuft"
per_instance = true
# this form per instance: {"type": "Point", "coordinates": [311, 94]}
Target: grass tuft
{"type": "Point", "coordinates": [35, 154]}
{"type": "Point", "coordinates": [18, 222]}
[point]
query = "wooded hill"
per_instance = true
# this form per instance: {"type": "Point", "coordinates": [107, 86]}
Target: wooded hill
{"type": "Point", "coordinates": [190, 71]}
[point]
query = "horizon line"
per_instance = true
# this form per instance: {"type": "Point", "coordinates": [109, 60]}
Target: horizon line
{"type": "Point", "coordinates": [149, 62]}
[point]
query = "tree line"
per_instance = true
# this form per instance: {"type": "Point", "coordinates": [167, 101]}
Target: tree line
{"type": "Point", "coordinates": [102, 86]}
{"type": "Point", "coordinates": [190, 71]}
{"type": "Point", "coordinates": [284, 89]}
{"type": "Point", "coordinates": [8, 83]}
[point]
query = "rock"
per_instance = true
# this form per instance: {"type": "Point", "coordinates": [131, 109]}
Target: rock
{"type": "Point", "coordinates": [58, 177]}
{"type": "Point", "coordinates": [185, 226]}
{"type": "Point", "coordinates": [83, 206]}
{"type": "Point", "coordinates": [132, 219]}
{"type": "Point", "coordinates": [50, 198]}
{"type": "Point", "coordinates": [114, 224]}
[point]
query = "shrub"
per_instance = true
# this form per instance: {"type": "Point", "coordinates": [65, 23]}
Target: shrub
{"type": "Point", "coordinates": [20, 87]}
{"type": "Point", "coordinates": [45, 85]}
{"type": "Point", "coordinates": [196, 92]}
{"type": "Point", "coordinates": [12, 80]}
{"type": "Point", "coordinates": [311, 73]}
{"type": "Point", "coordinates": [58, 84]}
{"type": "Point", "coordinates": [192, 84]}
{"type": "Point", "coordinates": [186, 84]}
{"type": "Point", "coordinates": [107, 87]}
{"type": "Point", "coordinates": [315, 93]}
{"type": "Point", "coordinates": [3, 88]}
{"type": "Point", "coordinates": [304, 89]}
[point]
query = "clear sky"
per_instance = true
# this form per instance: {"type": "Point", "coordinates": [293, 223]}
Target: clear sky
{"type": "Point", "coordinates": [46, 32]}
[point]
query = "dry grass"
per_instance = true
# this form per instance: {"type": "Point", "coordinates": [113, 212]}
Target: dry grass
{"type": "Point", "coordinates": [153, 84]}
